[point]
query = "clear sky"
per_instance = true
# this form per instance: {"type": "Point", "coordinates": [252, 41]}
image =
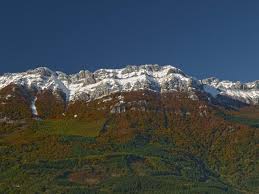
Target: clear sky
{"type": "Point", "coordinates": [208, 37]}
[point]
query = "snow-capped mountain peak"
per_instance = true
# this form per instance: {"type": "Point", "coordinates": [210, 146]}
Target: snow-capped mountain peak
{"type": "Point", "coordinates": [245, 92]}
{"type": "Point", "coordinates": [86, 85]}
{"type": "Point", "coordinates": [90, 85]}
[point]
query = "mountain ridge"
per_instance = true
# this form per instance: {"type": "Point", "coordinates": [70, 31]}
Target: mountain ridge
{"type": "Point", "coordinates": [106, 80]}
{"type": "Point", "coordinates": [177, 132]}
{"type": "Point", "coordinates": [87, 86]}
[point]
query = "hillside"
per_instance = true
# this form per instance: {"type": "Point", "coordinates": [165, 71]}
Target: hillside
{"type": "Point", "coordinates": [165, 137]}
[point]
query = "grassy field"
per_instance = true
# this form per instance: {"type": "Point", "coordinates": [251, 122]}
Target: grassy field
{"type": "Point", "coordinates": [70, 127]}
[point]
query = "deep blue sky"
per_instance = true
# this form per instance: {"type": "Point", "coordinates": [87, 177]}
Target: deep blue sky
{"type": "Point", "coordinates": [208, 37]}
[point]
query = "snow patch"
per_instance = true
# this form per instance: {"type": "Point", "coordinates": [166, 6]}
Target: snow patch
{"type": "Point", "coordinates": [120, 97]}
{"type": "Point", "coordinates": [107, 99]}
{"type": "Point", "coordinates": [8, 96]}
{"type": "Point", "coordinates": [33, 107]}
{"type": "Point", "coordinates": [211, 90]}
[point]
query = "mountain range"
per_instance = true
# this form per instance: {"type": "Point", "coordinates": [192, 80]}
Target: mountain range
{"type": "Point", "coordinates": [88, 86]}
{"type": "Point", "coordinates": [139, 129]}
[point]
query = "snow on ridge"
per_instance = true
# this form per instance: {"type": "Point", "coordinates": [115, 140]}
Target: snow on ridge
{"type": "Point", "coordinates": [211, 90]}
{"type": "Point", "coordinates": [124, 79]}
{"type": "Point", "coordinates": [91, 85]}
{"type": "Point", "coordinates": [245, 92]}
